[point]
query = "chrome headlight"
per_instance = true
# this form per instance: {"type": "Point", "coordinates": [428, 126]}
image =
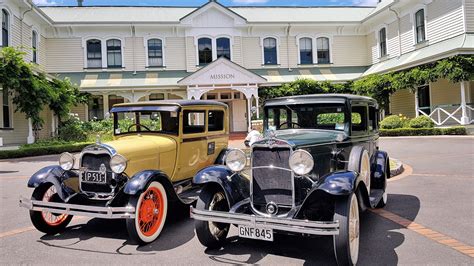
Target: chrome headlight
{"type": "Point", "coordinates": [66, 161]}
{"type": "Point", "coordinates": [301, 162]}
{"type": "Point", "coordinates": [118, 164]}
{"type": "Point", "coordinates": [235, 159]}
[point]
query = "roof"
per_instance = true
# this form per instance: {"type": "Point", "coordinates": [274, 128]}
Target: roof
{"type": "Point", "coordinates": [127, 14]}
{"type": "Point", "coordinates": [460, 44]}
{"type": "Point", "coordinates": [179, 103]}
{"type": "Point", "coordinates": [317, 98]}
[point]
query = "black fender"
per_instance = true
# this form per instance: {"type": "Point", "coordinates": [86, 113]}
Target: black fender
{"type": "Point", "coordinates": [220, 160]}
{"type": "Point", "coordinates": [336, 184]}
{"type": "Point", "coordinates": [140, 181]}
{"type": "Point", "coordinates": [55, 175]}
{"type": "Point", "coordinates": [380, 170]}
{"type": "Point", "coordinates": [235, 186]}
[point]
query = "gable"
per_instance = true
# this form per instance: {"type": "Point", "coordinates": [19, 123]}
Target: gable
{"type": "Point", "coordinates": [213, 14]}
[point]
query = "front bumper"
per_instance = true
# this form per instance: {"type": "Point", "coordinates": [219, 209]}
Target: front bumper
{"type": "Point", "coordinates": [81, 210]}
{"type": "Point", "coordinates": [281, 224]}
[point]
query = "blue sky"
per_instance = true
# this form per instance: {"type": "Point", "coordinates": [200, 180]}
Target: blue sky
{"type": "Point", "coordinates": [224, 2]}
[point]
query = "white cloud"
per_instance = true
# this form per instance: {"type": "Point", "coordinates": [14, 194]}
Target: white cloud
{"type": "Point", "coordinates": [245, 2]}
{"type": "Point", "coordinates": [45, 2]}
{"type": "Point", "coordinates": [365, 2]}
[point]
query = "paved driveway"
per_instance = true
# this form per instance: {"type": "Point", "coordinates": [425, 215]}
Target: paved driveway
{"type": "Point", "coordinates": [429, 220]}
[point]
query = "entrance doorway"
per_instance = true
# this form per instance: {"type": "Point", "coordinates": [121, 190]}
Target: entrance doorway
{"type": "Point", "coordinates": [238, 111]}
{"type": "Point", "coordinates": [424, 102]}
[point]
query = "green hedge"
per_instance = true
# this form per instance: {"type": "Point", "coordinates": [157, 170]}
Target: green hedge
{"type": "Point", "coordinates": [422, 131]}
{"type": "Point", "coordinates": [26, 151]}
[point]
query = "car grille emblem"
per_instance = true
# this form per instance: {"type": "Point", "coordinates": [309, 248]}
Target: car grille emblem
{"type": "Point", "coordinates": [102, 169]}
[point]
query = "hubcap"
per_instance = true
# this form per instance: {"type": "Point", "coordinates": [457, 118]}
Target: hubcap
{"type": "Point", "coordinates": [354, 229]}
{"type": "Point", "coordinates": [217, 204]}
{"type": "Point", "coordinates": [52, 219]}
{"type": "Point", "coordinates": [149, 215]}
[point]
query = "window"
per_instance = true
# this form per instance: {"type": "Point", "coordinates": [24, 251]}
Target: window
{"type": "Point", "coordinates": [424, 102]}
{"type": "Point", "coordinates": [323, 50]}
{"type": "Point", "coordinates": [373, 120]}
{"type": "Point", "coordinates": [94, 54]}
{"type": "Point", "coordinates": [34, 45]}
{"type": "Point", "coordinates": [114, 53]}
{"type": "Point", "coordinates": [5, 28]}
{"type": "Point", "coordinates": [359, 120]}
{"type": "Point", "coordinates": [157, 96]}
{"type": "Point", "coordinates": [306, 51]}
{"type": "Point", "coordinates": [96, 107]}
{"type": "Point", "coordinates": [270, 51]}
{"type": "Point", "coordinates": [6, 109]}
{"type": "Point", "coordinates": [383, 42]}
{"type": "Point", "coordinates": [205, 51]}
{"type": "Point", "coordinates": [114, 99]}
{"type": "Point", "coordinates": [215, 120]}
{"type": "Point", "coordinates": [155, 52]}
{"type": "Point", "coordinates": [420, 26]}
{"type": "Point", "coordinates": [193, 122]}
{"type": "Point", "coordinates": [223, 47]}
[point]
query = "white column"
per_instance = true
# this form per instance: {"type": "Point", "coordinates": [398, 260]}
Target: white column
{"type": "Point", "coordinates": [86, 112]}
{"type": "Point", "coordinates": [464, 117]}
{"type": "Point", "coordinates": [249, 114]}
{"type": "Point", "coordinates": [53, 124]}
{"type": "Point", "coordinates": [31, 138]}
{"type": "Point", "coordinates": [257, 105]}
{"type": "Point", "coordinates": [416, 103]}
{"type": "Point", "coordinates": [105, 98]}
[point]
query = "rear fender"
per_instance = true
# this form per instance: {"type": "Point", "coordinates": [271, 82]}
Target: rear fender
{"type": "Point", "coordinates": [235, 186]}
{"type": "Point", "coordinates": [380, 169]}
{"type": "Point", "coordinates": [55, 175]}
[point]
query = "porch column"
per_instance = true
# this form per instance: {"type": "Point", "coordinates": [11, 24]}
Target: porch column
{"type": "Point", "coordinates": [464, 117]}
{"type": "Point", "coordinates": [105, 98]}
{"type": "Point", "coordinates": [416, 103]}
{"type": "Point", "coordinates": [257, 105]}
{"type": "Point", "coordinates": [31, 138]}
{"type": "Point", "coordinates": [53, 124]}
{"type": "Point", "coordinates": [249, 114]}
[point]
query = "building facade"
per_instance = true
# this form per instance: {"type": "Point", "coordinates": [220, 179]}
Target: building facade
{"type": "Point", "coordinates": [129, 54]}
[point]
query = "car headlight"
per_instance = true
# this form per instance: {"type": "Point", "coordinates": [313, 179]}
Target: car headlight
{"type": "Point", "coordinates": [301, 162]}
{"type": "Point", "coordinates": [66, 161]}
{"type": "Point", "coordinates": [118, 164]}
{"type": "Point", "coordinates": [235, 159]}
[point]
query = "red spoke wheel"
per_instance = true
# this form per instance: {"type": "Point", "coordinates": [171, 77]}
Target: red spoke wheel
{"type": "Point", "coordinates": [44, 221]}
{"type": "Point", "coordinates": [151, 208]}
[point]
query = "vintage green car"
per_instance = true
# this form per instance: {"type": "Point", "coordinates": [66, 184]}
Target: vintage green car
{"type": "Point", "coordinates": [318, 165]}
{"type": "Point", "coordinates": [140, 176]}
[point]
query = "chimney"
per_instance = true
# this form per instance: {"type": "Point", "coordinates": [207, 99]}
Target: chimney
{"type": "Point", "coordinates": [79, 2]}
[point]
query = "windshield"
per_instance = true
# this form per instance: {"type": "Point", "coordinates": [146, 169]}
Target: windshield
{"type": "Point", "coordinates": [146, 121]}
{"type": "Point", "coordinates": [306, 116]}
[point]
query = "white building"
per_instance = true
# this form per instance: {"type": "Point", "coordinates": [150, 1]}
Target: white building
{"type": "Point", "coordinates": [226, 53]}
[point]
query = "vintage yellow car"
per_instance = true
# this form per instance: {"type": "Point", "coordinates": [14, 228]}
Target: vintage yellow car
{"type": "Point", "coordinates": [139, 176]}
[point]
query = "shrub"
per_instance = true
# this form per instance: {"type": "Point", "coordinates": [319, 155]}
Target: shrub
{"type": "Point", "coordinates": [72, 129]}
{"type": "Point", "coordinates": [392, 122]}
{"type": "Point", "coordinates": [26, 151]}
{"type": "Point", "coordinates": [422, 131]}
{"type": "Point", "coordinates": [421, 122]}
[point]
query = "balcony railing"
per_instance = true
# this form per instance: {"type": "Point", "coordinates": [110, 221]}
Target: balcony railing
{"type": "Point", "coordinates": [448, 114]}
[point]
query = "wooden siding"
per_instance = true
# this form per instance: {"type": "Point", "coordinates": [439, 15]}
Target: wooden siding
{"type": "Point", "coordinates": [20, 130]}
{"type": "Point", "coordinates": [128, 54]}
{"type": "Point", "coordinates": [403, 102]}
{"type": "Point", "coordinates": [445, 92]}
{"type": "Point", "coordinates": [252, 57]}
{"type": "Point", "coordinates": [293, 52]}
{"type": "Point", "coordinates": [174, 55]}
{"type": "Point", "coordinates": [190, 55]}
{"type": "Point", "coordinates": [445, 20]}
{"type": "Point", "coordinates": [237, 50]}
{"type": "Point", "coordinates": [469, 13]}
{"type": "Point", "coordinates": [80, 110]}
{"type": "Point", "coordinates": [392, 39]}
{"type": "Point", "coordinates": [64, 55]}
{"type": "Point", "coordinates": [471, 91]}
{"type": "Point", "coordinates": [350, 51]}
{"type": "Point", "coordinates": [406, 34]}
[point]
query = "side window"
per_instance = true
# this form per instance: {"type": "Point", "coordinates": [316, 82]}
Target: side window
{"type": "Point", "coordinates": [359, 120]}
{"type": "Point", "coordinates": [373, 121]}
{"type": "Point", "coordinates": [215, 120]}
{"type": "Point", "coordinates": [194, 122]}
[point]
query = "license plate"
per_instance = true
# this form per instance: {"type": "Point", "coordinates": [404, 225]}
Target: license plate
{"type": "Point", "coordinates": [256, 233]}
{"type": "Point", "coordinates": [94, 177]}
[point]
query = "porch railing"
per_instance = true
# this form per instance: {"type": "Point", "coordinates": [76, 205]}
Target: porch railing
{"type": "Point", "coordinates": [447, 114]}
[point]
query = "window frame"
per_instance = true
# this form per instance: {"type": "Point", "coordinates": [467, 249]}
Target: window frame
{"type": "Point", "coordinates": [185, 112]}
{"type": "Point", "coordinates": [34, 46]}
{"type": "Point", "coordinates": [416, 26]}
{"type": "Point", "coordinates": [199, 51]}
{"type": "Point", "coordinates": [109, 51]}
{"type": "Point", "coordinates": [87, 58]}
{"type": "Point", "coordinates": [312, 50]}
{"type": "Point", "coordinates": [229, 49]}
{"type": "Point", "coordinates": [329, 49]}
{"type": "Point", "coordinates": [208, 129]}
{"type": "Point", "coordinates": [277, 52]}
{"type": "Point", "coordinates": [5, 11]}
{"type": "Point", "coordinates": [383, 42]}
{"type": "Point", "coordinates": [163, 51]}
{"type": "Point", "coordinates": [359, 132]}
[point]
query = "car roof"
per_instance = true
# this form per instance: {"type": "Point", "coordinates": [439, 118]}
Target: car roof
{"type": "Point", "coordinates": [179, 103]}
{"type": "Point", "coordinates": [318, 98]}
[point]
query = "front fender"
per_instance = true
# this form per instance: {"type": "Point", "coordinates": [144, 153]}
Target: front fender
{"type": "Point", "coordinates": [380, 170]}
{"type": "Point", "coordinates": [235, 186]}
{"type": "Point", "coordinates": [339, 183]}
{"type": "Point", "coordinates": [139, 182]}
{"type": "Point", "coordinates": [56, 175]}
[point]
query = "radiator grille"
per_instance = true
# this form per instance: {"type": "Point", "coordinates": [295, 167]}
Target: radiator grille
{"type": "Point", "coordinates": [92, 162]}
{"type": "Point", "coordinates": [271, 176]}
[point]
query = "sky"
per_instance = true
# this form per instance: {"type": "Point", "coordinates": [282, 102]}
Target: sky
{"type": "Point", "coordinates": [224, 2]}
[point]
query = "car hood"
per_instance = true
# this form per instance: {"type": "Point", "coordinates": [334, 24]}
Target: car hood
{"type": "Point", "coordinates": [142, 151]}
{"type": "Point", "coordinates": [308, 137]}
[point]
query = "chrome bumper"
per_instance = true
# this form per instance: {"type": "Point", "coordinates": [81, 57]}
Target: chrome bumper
{"type": "Point", "coordinates": [281, 224]}
{"type": "Point", "coordinates": [81, 210]}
